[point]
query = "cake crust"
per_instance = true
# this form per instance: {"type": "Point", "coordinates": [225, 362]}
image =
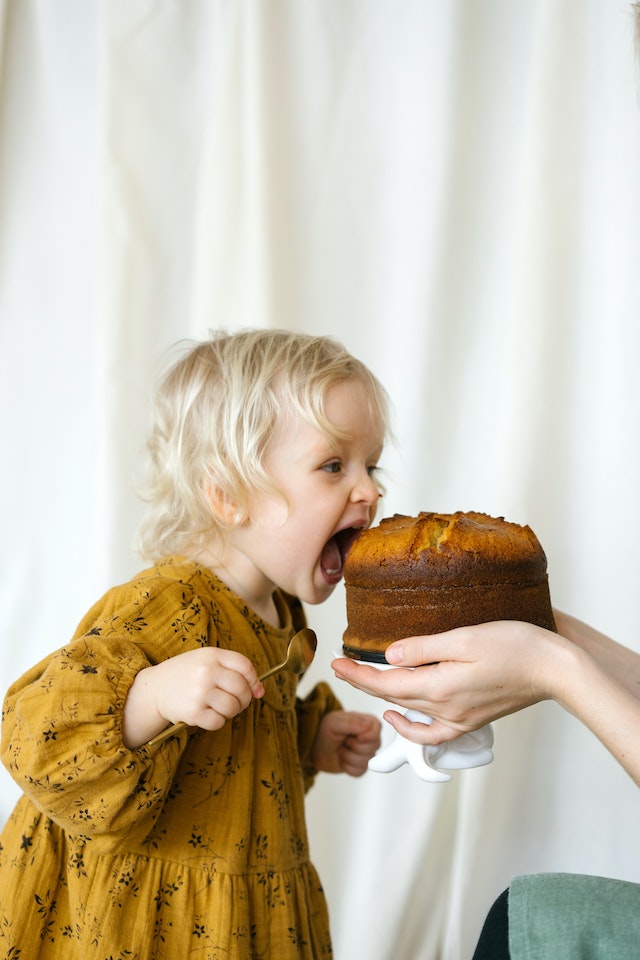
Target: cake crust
{"type": "Point", "coordinates": [411, 576]}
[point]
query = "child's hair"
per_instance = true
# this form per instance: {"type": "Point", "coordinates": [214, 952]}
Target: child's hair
{"type": "Point", "coordinates": [215, 412]}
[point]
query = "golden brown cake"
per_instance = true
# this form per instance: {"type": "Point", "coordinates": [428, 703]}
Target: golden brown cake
{"type": "Point", "coordinates": [410, 576]}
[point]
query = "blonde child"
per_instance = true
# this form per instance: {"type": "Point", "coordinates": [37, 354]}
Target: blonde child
{"type": "Point", "coordinates": [262, 470]}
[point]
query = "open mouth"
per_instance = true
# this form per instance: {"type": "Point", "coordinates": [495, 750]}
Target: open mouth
{"type": "Point", "coordinates": [335, 552]}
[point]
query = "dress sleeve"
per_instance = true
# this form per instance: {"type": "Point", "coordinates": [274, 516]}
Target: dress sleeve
{"type": "Point", "coordinates": [310, 711]}
{"type": "Point", "coordinates": [62, 721]}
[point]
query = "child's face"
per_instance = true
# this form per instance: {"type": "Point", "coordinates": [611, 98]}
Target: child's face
{"type": "Point", "coordinates": [300, 545]}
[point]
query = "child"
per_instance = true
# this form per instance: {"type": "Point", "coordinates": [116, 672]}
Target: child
{"type": "Point", "coordinates": [263, 460]}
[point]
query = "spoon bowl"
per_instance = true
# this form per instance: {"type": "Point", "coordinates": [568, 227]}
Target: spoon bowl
{"type": "Point", "coordinates": [300, 653]}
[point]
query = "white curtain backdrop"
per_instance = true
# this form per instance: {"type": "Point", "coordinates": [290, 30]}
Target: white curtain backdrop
{"type": "Point", "coordinates": [451, 188]}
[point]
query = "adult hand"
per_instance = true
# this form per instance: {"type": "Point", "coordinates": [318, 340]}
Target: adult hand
{"type": "Point", "coordinates": [464, 678]}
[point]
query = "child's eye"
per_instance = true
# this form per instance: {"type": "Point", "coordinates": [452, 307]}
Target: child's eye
{"type": "Point", "coordinates": [372, 470]}
{"type": "Point", "coordinates": [333, 467]}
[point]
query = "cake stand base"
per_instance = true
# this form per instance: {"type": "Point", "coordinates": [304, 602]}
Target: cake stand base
{"type": "Point", "coordinates": [430, 762]}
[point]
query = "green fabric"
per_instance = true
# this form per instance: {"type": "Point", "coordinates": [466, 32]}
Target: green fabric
{"type": "Point", "coordinates": [562, 916]}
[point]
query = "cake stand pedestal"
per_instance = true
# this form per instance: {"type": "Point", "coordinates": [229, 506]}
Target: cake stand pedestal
{"type": "Point", "coordinates": [429, 762]}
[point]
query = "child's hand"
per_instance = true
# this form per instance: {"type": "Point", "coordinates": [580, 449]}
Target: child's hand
{"type": "Point", "coordinates": [204, 688]}
{"type": "Point", "coordinates": [345, 742]}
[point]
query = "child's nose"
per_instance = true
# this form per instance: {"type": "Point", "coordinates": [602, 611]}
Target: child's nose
{"type": "Point", "coordinates": [365, 490]}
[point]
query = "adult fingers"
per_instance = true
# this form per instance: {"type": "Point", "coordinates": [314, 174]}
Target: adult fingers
{"type": "Point", "coordinates": [407, 688]}
{"type": "Point", "coordinates": [418, 651]}
{"type": "Point", "coordinates": [423, 733]}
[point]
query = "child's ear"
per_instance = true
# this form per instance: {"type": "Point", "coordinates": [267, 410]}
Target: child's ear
{"type": "Point", "coordinates": [225, 509]}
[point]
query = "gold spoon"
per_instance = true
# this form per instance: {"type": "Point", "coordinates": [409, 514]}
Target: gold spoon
{"type": "Point", "coordinates": [300, 653]}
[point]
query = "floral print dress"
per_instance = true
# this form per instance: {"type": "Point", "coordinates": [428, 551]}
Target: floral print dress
{"type": "Point", "coordinates": [193, 848]}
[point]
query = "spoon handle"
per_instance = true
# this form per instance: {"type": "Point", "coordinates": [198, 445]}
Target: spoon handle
{"type": "Point", "coordinates": [180, 725]}
{"type": "Point", "coordinates": [273, 670]}
{"type": "Point", "coordinates": [167, 732]}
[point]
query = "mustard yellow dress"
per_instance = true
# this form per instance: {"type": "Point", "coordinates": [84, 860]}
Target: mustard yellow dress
{"type": "Point", "coordinates": [195, 848]}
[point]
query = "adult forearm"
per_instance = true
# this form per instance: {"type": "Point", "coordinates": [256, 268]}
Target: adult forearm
{"type": "Point", "coordinates": [604, 705]}
{"type": "Point", "coordinates": [618, 661]}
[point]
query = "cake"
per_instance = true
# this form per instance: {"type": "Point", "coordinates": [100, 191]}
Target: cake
{"type": "Point", "coordinates": [410, 576]}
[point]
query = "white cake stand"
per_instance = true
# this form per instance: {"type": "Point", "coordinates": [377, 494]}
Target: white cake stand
{"type": "Point", "coordinates": [429, 762]}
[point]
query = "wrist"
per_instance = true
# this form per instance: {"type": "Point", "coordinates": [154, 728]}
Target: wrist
{"type": "Point", "coordinates": [559, 662]}
{"type": "Point", "coordinates": [574, 677]}
{"type": "Point", "coordinates": [141, 718]}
